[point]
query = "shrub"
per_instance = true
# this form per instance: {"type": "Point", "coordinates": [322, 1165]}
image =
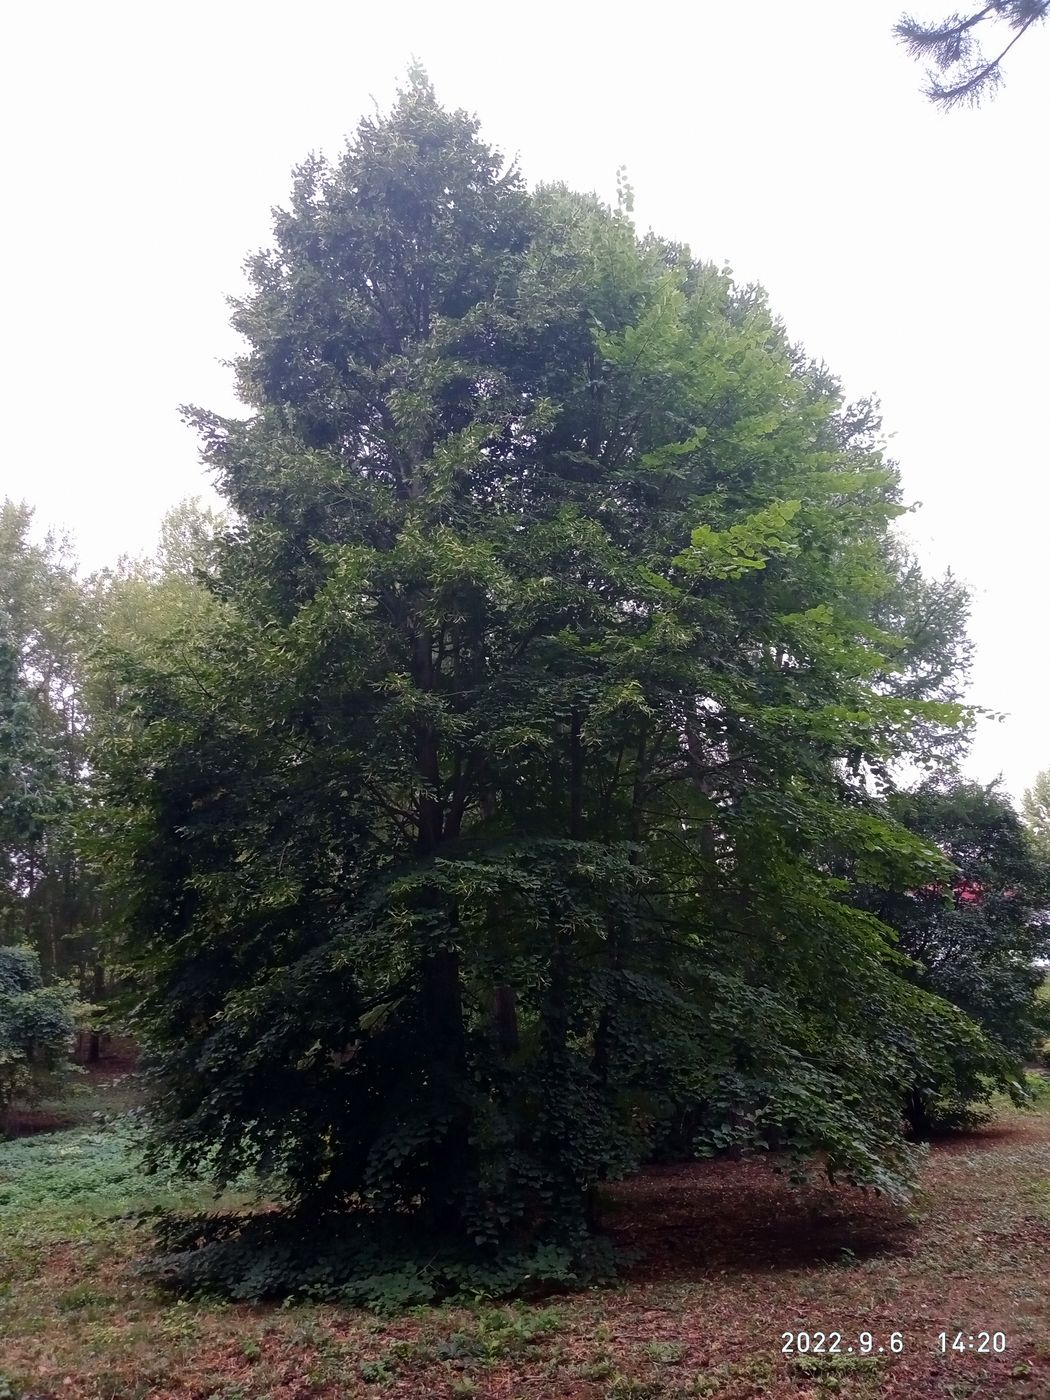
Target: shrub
{"type": "Point", "coordinates": [36, 1027]}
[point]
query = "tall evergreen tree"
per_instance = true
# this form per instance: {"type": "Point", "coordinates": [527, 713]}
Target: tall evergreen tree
{"type": "Point", "coordinates": [485, 838]}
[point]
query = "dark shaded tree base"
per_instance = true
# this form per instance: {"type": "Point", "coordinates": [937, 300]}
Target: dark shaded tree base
{"type": "Point", "coordinates": [930, 1118]}
{"type": "Point", "coordinates": [363, 1260]}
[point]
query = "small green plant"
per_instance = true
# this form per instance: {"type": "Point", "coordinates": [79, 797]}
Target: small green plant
{"type": "Point", "coordinates": [511, 1330]}
{"type": "Point", "coordinates": [827, 1369]}
{"type": "Point", "coordinates": [499, 1333]}
{"type": "Point", "coordinates": [757, 1372]}
{"type": "Point", "coordinates": [667, 1353]}
{"type": "Point", "coordinates": [73, 1299]}
{"type": "Point", "coordinates": [632, 1388]}
{"type": "Point", "coordinates": [376, 1372]}
{"type": "Point", "coordinates": [598, 1370]}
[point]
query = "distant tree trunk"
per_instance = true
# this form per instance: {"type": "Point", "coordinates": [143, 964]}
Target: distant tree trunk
{"type": "Point", "coordinates": [505, 1018]}
{"type": "Point", "coordinates": [917, 1113]}
{"type": "Point", "coordinates": [97, 994]}
{"type": "Point", "coordinates": [441, 987]}
{"type": "Point", "coordinates": [616, 933]}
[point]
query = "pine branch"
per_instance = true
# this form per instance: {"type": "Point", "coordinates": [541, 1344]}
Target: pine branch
{"type": "Point", "coordinates": [951, 47]}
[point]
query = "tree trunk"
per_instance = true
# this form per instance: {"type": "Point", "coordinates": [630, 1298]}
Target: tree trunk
{"type": "Point", "coordinates": [916, 1111]}
{"type": "Point", "coordinates": [505, 1018]}
{"type": "Point", "coordinates": [97, 994]}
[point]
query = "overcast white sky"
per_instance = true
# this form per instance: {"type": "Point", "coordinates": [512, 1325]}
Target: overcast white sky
{"type": "Point", "coordinates": [143, 146]}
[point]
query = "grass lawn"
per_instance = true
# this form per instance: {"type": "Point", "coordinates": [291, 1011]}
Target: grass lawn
{"type": "Point", "coordinates": [730, 1258]}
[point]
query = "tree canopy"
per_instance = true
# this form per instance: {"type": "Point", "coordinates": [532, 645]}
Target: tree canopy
{"type": "Point", "coordinates": [498, 826]}
{"type": "Point", "coordinates": [56, 701]}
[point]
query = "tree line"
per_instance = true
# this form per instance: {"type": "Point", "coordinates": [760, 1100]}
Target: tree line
{"type": "Point", "coordinates": [59, 912]}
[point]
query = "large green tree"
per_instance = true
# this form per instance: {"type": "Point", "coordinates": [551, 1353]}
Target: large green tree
{"type": "Point", "coordinates": [486, 836]}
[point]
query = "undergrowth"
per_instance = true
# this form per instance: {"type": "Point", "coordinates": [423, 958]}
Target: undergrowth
{"type": "Point", "coordinates": [381, 1264]}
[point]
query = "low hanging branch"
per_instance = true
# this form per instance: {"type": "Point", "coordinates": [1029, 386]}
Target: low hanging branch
{"type": "Point", "coordinates": [960, 73]}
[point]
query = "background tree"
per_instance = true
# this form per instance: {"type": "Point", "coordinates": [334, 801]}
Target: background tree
{"type": "Point", "coordinates": [1035, 808]}
{"type": "Point", "coordinates": [485, 836]}
{"type": "Point", "coordinates": [32, 793]}
{"type": "Point", "coordinates": [976, 939]}
{"type": "Point", "coordinates": [930, 659]}
{"type": "Point", "coordinates": [36, 1027]}
{"type": "Point", "coordinates": [57, 701]}
{"type": "Point", "coordinates": [130, 608]}
{"type": "Point", "coordinates": [960, 72]}
{"type": "Point", "coordinates": [47, 632]}
{"type": "Point", "coordinates": [142, 600]}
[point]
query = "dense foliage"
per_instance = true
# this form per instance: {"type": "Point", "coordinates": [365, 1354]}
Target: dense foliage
{"type": "Point", "coordinates": [55, 701]}
{"type": "Point", "coordinates": [48, 896]}
{"type": "Point", "coordinates": [36, 1026]}
{"type": "Point", "coordinates": [498, 826]}
{"type": "Point", "coordinates": [31, 790]}
{"type": "Point", "coordinates": [976, 938]}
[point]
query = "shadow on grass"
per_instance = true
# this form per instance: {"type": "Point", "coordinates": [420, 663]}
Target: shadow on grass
{"type": "Point", "coordinates": [742, 1217]}
{"type": "Point", "coordinates": [27, 1122]}
{"type": "Point", "coordinates": [987, 1136]}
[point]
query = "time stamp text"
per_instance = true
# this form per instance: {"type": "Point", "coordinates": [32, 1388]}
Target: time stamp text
{"type": "Point", "coordinates": [889, 1344]}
